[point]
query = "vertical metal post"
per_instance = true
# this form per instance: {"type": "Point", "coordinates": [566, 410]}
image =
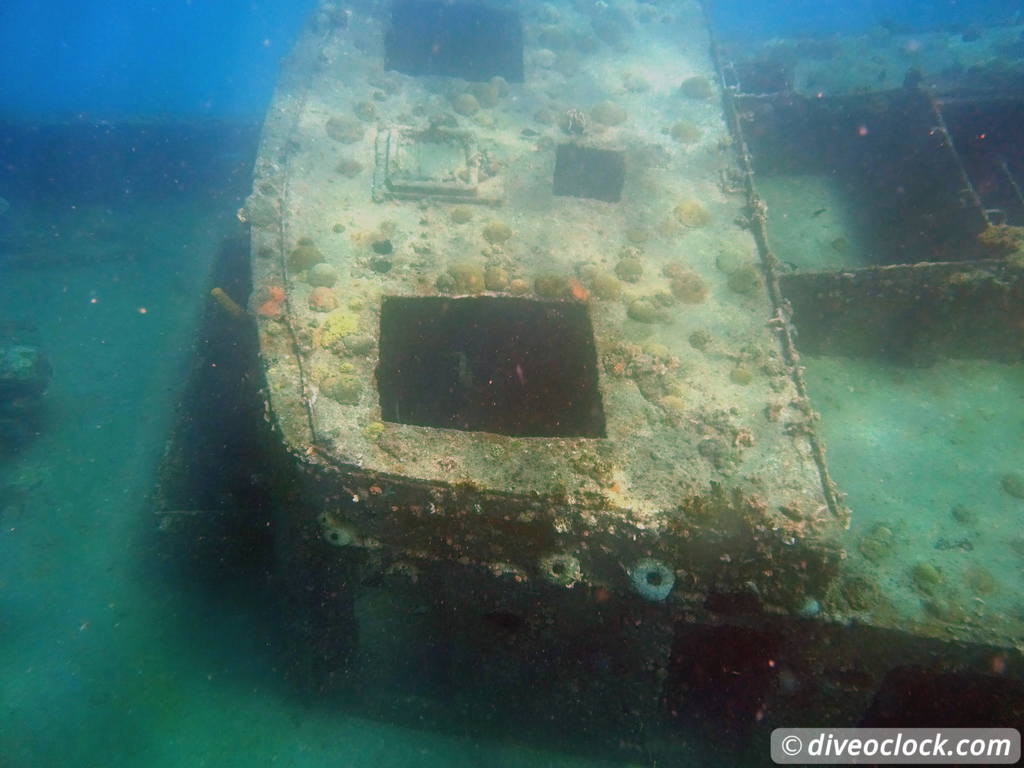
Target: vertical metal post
{"type": "Point", "coordinates": [968, 188]}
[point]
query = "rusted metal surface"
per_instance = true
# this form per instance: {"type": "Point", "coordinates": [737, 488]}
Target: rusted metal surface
{"type": "Point", "coordinates": [718, 481]}
{"type": "Point", "coordinates": [702, 502]}
{"type": "Point", "coordinates": [912, 313]}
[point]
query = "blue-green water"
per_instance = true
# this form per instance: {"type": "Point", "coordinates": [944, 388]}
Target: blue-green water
{"type": "Point", "coordinates": [123, 186]}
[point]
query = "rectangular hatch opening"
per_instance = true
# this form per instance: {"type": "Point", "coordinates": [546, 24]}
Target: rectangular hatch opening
{"type": "Point", "coordinates": [513, 367]}
{"type": "Point", "coordinates": [597, 174]}
{"type": "Point", "coordinates": [858, 181]}
{"type": "Point", "coordinates": [474, 41]}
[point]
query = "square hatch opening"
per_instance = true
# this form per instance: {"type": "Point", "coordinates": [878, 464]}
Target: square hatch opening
{"type": "Point", "coordinates": [474, 41]}
{"type": "Point", "coordinates": [597, 174]}
{"type": "Point", "coordinates": [513, 367]}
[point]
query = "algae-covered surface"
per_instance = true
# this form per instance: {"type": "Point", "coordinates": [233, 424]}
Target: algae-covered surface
{"type": "Point", "coordinates": [928, 457]}
{"type": "Point", "coordinates": [693, 385]}
{"type": "Point", "coordinates": [122, 647]}
{"type": "Point", "coordinates": [115, 652]}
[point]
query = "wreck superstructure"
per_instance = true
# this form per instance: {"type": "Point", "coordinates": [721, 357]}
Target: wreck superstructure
{"type": "Point", "coordinates": [528, 343]}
